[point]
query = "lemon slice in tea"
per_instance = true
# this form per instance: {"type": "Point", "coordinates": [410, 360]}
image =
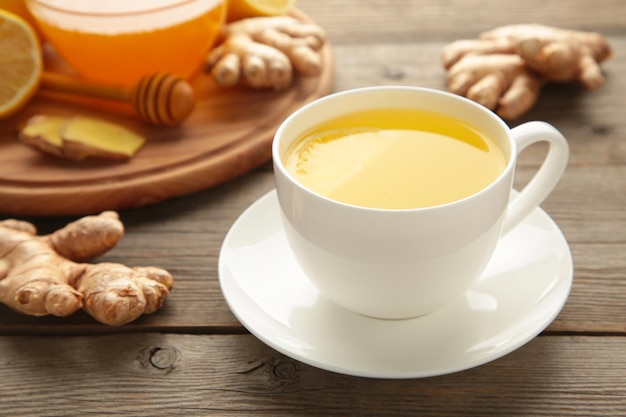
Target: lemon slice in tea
{"type": "Point", "coordinates": [327, 161]}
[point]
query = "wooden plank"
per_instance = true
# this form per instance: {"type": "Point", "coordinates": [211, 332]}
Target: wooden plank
{"type": "Point", "coordinates": [184, 236]}
{"type": "Point", "coordinates": [588, 204]}
{"type": "Point", "coordinates": [162, 375]}
{"type": "Point", "coordinates": [367, 22]}
{"type": "Point", "coordinates": [193, 357]}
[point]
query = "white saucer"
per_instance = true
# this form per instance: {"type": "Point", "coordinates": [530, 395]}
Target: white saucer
{"type": "Point", "coordinates": [523, 289]}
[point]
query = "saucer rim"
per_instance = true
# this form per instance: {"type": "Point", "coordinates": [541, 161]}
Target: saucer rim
{"type": "Point", "coordinates": [555, 307]}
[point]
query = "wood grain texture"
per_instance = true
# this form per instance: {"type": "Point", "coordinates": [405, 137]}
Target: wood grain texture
{"type": "Point", "coordinates": [185, 235]}
{"type": "Point", "coordinates": [164, 375]}
{"type": "Point", "coordinates": [194, 358]}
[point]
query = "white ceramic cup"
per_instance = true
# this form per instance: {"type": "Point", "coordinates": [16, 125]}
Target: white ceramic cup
{"type": "Point", "coordinates": [396, 264]}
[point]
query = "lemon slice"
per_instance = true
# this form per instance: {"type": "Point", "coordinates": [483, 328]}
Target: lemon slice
{"type": "Point", "coordinates": [327, 162]}
{"type": "Point", "coordinates": [241, 9]}
{"type": "Point", "coordinates": [19, 8]}
{"type": "Point", "coordinates": [20, 63]}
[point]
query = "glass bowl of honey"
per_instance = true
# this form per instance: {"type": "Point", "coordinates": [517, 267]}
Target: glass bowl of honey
{"type": "Point", "coordinates": [120, 41]}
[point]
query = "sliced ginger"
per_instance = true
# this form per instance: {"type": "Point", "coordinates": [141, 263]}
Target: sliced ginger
{"type": "Point", "coordinates": [81, 137]}
{"type": "Point", "coordinates": [41, 275]}
{"type": "Point", "coordinates": [87, 137]}
{"type": "Point", "coordinates": [263, 52]}
{"type": "Point", "coordinates": [505, 68]}
{"type": "Point", "coordinates": [44, 133]}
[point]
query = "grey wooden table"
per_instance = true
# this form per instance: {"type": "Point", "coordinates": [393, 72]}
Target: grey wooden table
{"type": "Point", "coordinates": [194, 357]}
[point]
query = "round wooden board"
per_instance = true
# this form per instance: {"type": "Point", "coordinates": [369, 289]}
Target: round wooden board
{"type": "Point", "coordinates": [228, 134]}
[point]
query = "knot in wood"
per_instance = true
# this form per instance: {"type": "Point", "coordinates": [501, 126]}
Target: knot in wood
{"type": "Point", "coordinates": [163, 358]}
{"type": "Point", "coordinates": [285, 371]}
{"type": "Point", "coordinates": [602, 130]}
{"type": "Point", "coordinates": [394, 73]}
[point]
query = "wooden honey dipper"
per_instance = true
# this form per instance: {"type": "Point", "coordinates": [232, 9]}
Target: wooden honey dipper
{"type": "Point", "coordinates": [161, 99]}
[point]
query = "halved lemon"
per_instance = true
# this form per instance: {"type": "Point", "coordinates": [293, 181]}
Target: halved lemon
{"type": "Point", "coordinates": [241, 9]}
{"type": "Point", "coordinates": [21, 63]}
{"type": "Point", "coordinates": [19, 8]}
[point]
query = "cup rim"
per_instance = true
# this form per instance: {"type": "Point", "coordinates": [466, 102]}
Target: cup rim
{"type": "Point", "coordinates": [493, 117]}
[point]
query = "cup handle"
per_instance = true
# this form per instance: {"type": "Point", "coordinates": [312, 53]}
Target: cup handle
{"type": "Point", "coordinates": [548, 175]}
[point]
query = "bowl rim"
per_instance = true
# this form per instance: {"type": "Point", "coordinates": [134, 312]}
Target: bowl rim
{"type": "Point", "coordinates": [146, 8]}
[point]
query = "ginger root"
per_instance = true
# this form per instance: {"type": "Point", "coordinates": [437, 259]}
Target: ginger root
{"type": "Point", "coordinates": [505, 68]}
{"type": "Point", "coordinates": [41, 275]}
{"type": "Point", "coordinates": [263, 52]}
{"type": "Point", "coordinates": [79, 137]}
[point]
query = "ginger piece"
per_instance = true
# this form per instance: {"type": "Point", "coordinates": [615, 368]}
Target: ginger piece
{"type": "Point", "coordinates": [42, 275]}
{"type": "Point", "coordinates": [88, 137]}
{"type": "Point", "coordinates": [547, 54]}
{"type": "Point", "coordinates": [115, 294]}
{"type": "Point", "coordinates": [558, 55]}
{"type": "Point", "coordinates": [499, 82]}
{"type": "Point", "coordinates": [44, 133]}
{"type": "Point", "coordinates": [81, 137]}
{"type": "Point", "coordinates": [263, 52]}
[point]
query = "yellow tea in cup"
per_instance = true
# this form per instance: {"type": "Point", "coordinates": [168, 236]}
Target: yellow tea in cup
{"type": "Point", "coordinates": [120, 41]}
{"type": "Point", "coordinates": [390, 151]}
{"type": "Point", "coordinates": [395, 158]}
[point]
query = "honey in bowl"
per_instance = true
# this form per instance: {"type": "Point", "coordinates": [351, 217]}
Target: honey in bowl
{"type": "Point", "coordinates": [120, 41]}
{"type": "Point", "coordinates": [395, 159]}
